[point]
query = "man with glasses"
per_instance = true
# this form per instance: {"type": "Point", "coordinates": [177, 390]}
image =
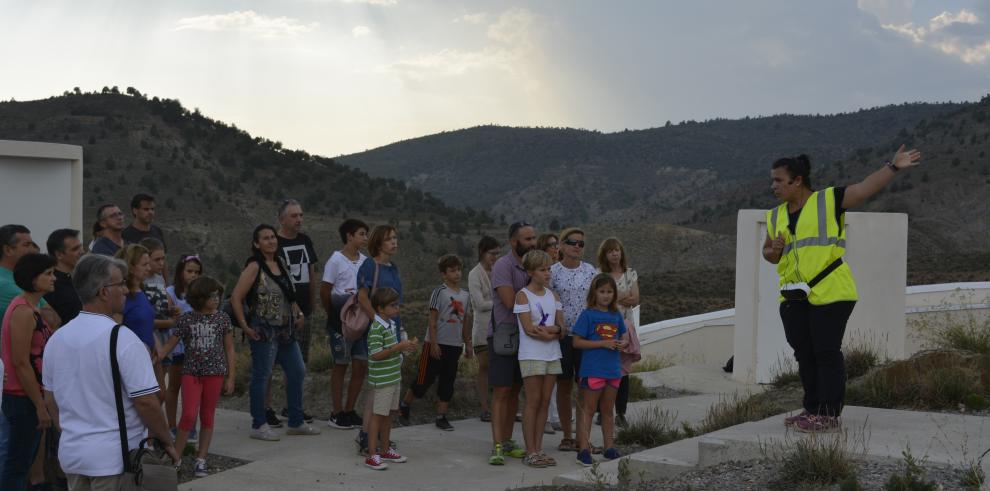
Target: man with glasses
{"type": "Point", "coordinates": [78, 381]}
{"type": "Point", "coordinates": [570, 279]}
{"type": "Point", "coordinates": [111, 219]}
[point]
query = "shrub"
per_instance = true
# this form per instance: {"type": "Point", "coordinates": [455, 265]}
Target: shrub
{"type": "Point", "coordinates": [819, 458]}
{"type": "Point", "coordinates": [913, 477]}
{"type": "Point", "coordinates": [783, 379]}
{"type": "Point", "coordinates": [651, 428]}
{"type": "Point", "coordinates": [638, 391]}
{"type": "Point", "coordinates": [860, 359]}
{"type": "Point", "coordinates": [652, 364]}
{"type": "Point", "coordinates": [738, 409]}
{"type": "Point", "coordinates": [956, 329]}
{"type": "Point", "coordinates": [973, 477]}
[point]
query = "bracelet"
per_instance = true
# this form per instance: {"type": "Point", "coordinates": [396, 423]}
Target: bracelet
{"type": "Point", "coordinates": [891, 166]}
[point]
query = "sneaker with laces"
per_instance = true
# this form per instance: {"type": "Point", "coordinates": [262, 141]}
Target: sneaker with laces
{"type": "Point", "coordinates": [548, 429]}
{"type": "Point", "coordinates": [200, 469]}
{"type": "Point", "coordinates": [264, 433]}
{"type": "Point", "coordinates": [193, 436]}
{"type": "Point", "coordinates": [393, 456]}
{"type": "Point", "coordinates": [272, 419]}
{"type": "Point", "coordinates": [512, 449]}
{"type": "Point", "coordinates": [792, 420]}
{"type": "Point", "coordinates": [339, 421]}
{"type": "Point", "coordinates": [496, 458]}
{"type": "Point", "coordinates": [584, 458]}
{"type": "Point", "coordinates": [611, 454]}
{"type": "Point", "coordinates": [443, 424]}
{"type": "Point", "coordinates": [375, 462]}
{"type": "Point", "coordinates": [303, 429]}
{"type": "Point", "coordinates": [354, 419]}
{"type": "Point", "coordinates": [817, 424]}
{"type": "Point", "coordinates": [404, 412]}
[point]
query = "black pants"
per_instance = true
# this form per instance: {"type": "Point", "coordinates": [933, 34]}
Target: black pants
{"type": "Point", "coordinates": [815, 333]}
{"type": "Point", "coordinates": [622, 398]}
{"type": "Point", "coordinates": [431, 368]}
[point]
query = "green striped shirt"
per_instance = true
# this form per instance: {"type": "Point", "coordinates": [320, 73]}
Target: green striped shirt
{"type": "Point", "coordinates": [383, 373]}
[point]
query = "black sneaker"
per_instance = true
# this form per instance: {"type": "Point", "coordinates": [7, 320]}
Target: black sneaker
{"type": "Point", "coordinates": [404, 412]}
{"type": "Point", "coordinates": [339, 421]}
{"type": "Point", "coordinates": [272, 419]}
{"type": "Point", "coordinates": [354, 419]}
{"type": "Point", "coordinates": [443, 424]}
{"type": "Point", "coordinates": [306, 416]}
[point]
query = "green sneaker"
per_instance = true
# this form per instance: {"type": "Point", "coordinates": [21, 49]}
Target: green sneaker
{"type": "Point", "coordinates": [496, 458]}
{"type": "Point", "coordinates": [512, 449]}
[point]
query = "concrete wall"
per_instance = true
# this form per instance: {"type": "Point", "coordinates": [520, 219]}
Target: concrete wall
{"type": "Point", "coordinates": [700, 339]}
{"type": "Point", "coordinates": [876, 252]}
{"type": "Point", "coordinates": [41, 186]}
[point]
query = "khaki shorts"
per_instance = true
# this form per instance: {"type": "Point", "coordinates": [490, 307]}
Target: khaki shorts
{"type": "Point", "coordinates": [536, 368]}
{"type": "Point", "coordinates": [386, 399]}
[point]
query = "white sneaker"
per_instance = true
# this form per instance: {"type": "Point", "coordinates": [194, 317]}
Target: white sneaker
{"type": "Point", "coordinates": [303, 429]}
{"type": "Point", "coordinates": [200, 469]}
{"type": "Point", "coordinates": [264, 433]}
{"type": "Point", "coordinates": [548, 429]}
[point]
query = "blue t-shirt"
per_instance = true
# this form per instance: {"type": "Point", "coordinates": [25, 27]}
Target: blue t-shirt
{"type": "Point", "coordinates": [139, 316]}
{"type": "Point", "coordinates": [388, 277]}
{"type": "Point", "coordinates": [596, 325]}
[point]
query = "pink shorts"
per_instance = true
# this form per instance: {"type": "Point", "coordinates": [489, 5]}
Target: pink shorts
{"type": "Point", "coordinates": [598, 383]}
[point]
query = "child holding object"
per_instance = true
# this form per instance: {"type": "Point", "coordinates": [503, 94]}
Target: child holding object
{"type": "Point", "coordinates": [601, 332]}
{"type": "Point", "coordinates": [209, 349]}
{"type": "Point", "coordinates": [540, 316]}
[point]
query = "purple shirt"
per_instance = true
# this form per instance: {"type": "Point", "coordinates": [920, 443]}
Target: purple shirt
{"type": "Point", "coordinates": [507, 271]}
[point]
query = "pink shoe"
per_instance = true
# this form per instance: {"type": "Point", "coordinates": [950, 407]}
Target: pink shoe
{"type": "Point", "coordinates": [817, 424]}
{"type": "Point", "coordinates": [792, 420]}
{"type": "Point", "coordinates": [393, 456]}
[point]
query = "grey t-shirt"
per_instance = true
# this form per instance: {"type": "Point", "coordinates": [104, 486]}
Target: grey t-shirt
{"type": "Point", "coordinates": [451, 307]}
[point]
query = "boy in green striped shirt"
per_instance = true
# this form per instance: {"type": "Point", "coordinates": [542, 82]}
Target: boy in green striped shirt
{"type": "Point", "coordinates": [384, 376]}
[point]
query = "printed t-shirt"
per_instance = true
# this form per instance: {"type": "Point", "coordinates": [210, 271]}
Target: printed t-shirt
{"type": "Point", "coordinates": [596, 325]}
{"type": "Point", "coordinates": [451, 307]}
{"type": "Point", "coordinates": [572, 286]}
{"type": "Point", "coordinates": [202, 335]}
{"type": "Point", "coordinates": [298, 253]}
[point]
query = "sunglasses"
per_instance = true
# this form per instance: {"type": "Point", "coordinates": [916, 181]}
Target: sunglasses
{"type": "Point", "coordinates": [571, 242]}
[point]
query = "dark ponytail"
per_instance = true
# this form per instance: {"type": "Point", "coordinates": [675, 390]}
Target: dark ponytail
{"type": "Point", "coordinates": [799, 166]}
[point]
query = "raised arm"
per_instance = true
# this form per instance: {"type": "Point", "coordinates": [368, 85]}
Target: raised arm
{"type": "Point", "coordinates": [857, 194]}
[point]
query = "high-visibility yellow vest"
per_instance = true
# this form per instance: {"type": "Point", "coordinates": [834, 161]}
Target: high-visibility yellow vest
{"type": "Point", "coordinates": [819, 240]}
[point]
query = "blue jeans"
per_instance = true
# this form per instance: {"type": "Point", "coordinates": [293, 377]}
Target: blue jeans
{"type": "Point", "coordinates": [22, 445]}
{"type": "Point", "coordinates": [4, 440]}
{"type": "Point", "coordinates": [264, 355]}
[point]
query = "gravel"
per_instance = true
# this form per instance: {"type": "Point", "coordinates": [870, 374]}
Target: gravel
{"type": "Point", "coordinates": [215, 463]}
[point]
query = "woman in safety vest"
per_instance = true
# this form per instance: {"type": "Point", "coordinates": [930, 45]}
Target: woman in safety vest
{"type": "Point", "coordinates": [806, 239]}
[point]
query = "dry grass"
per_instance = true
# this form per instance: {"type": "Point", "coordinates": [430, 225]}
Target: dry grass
{"type": "Point", "coordinates": [650, 429]}
{"type": "Point", "coordinates": [738, 409]}
{"type": "Point", "coordinates": [652, 364]}
{"type": "Point", "coordinates": [951, 328]}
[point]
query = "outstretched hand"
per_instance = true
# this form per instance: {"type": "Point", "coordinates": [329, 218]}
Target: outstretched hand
{"type": "Point", "coordinates": [904, 159]}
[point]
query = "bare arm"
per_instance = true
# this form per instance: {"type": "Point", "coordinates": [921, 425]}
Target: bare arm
{"type": "Point", "coordinates": [51, 317]}
{"type": "Point", "coordinates": [857, 194]}
{"type": "Point", "coordinates": [52, 409]}
{"type": "Point", "coordinates": [228, 348]}
{"type": "Point", "coordinates": [632, 296]}
{"type": "Point", "coordinates": [237, 296]}
{"type": "Point", "coordinates": [168, 347]}
{"type": "Point", "coordinates": [581, 343]}
{"type": "Point", "coordinates": [21, 331]}
{"type": "Point", "coordinates": [150, 411]}
{"type": "Point", "coordinates": [325, 290]}
{"type": "Point", "coordinates": [365, 302]}
{"type": "Point", "coordinates": [506, 296]}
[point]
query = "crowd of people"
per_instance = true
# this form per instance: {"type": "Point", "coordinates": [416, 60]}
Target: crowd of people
{"type": "Point", "coordinates": [79, 320]}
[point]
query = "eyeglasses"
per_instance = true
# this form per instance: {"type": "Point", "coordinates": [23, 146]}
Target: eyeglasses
{"type": "Point", "coordinates": [577, 243]}
{"type": "Point", "coordinates": [119, 283]}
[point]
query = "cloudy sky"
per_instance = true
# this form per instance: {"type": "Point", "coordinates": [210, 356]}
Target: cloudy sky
{"type": "Point", "coordinates": [340, 76]}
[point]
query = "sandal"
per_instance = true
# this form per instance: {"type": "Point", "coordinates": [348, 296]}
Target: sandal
{"type": "Point", "coordinates": [534, 460]}
{"type": "Point", "coordinates": [596, 450]}
{"type": "Point", "coordinates": [548, 459]}
{"type": "Point", "coordinates": [567, 445]}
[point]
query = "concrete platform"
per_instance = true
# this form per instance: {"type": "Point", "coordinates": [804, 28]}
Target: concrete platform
{"type": "Point", "coordinates": [873, 433]}
{"type": "Point", "coordinates": [703, 379]}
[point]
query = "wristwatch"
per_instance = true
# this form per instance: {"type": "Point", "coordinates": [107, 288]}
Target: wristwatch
{"type": "Point", "coordinates": [891, 166]}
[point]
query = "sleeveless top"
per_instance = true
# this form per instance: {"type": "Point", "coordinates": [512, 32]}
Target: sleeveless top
{"type": "Point", "coordinates": [11, 384]}
{"type": "Point", "coordinates": [542, 310]}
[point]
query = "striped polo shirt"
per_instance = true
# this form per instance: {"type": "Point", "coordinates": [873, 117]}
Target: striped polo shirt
{"type": "Point", "coordinates": [383, 373]}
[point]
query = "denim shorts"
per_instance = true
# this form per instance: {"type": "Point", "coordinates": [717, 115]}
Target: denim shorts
{"type": "Point", "coordinates": [343, 351]}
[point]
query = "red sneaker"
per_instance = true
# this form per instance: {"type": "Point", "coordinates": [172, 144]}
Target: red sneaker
{"type": "Point", "coordinates": [375, 462]}
{"type": "Point", "coordinates": [792, 420]}
{"type": "Point", "coordinates": [393, 456]}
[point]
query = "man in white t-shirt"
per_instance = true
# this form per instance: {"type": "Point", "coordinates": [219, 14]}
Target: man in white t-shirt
{"type": "Point", "coordinates": [78, 381]}
{"type": "Point", "coordinates": [570, 279]}
{"type": "Point", "coordinates": [339, 283]}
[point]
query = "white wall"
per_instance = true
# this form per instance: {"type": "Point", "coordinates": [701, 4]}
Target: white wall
{"type": "Point", "coordinates": [41, 187]}
{"type": "Point", "coordinates": [876, 251]}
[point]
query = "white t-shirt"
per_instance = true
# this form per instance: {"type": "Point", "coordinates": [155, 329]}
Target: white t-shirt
{"type": "Point", "coordinates": [542, 311]}
{"type": "Point", "coordinates": [341, 272]}
{"type": "Point", "coordinates": [76, 369]}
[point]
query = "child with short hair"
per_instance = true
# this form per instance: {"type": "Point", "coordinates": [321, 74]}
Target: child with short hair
{"type": "Point", "coordinates": [384, 377]}
{"type": "Point", "coordinates": [541, 317]}
{"type": "Point", "coordinates": [205, 332]}
{"type": "Point", "coordinates": [601, 332]}
{"type": "Point", "coordinates": [448, 335]}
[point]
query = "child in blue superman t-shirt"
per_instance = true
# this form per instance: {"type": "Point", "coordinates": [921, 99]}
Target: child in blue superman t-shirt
{"type": "Point", "coordinates": [601, 332]}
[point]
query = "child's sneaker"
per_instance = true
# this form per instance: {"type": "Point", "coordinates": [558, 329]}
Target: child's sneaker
{"type": "Point", "coordinates": [264, 433]}
{"type": "Point", "coordinates": [496, 458]}
{"type": "Point", "coordinates": [393, 456]}
{"type": "Point", "coordinates": [354, 419]}
{"type": "Point", "coordinates": [339, 421]}
{"type": "Point", "coordinates": [404, 412]}
{"type": "Point", "coordinates": [193, 436]}
{"type": "Point", "coordinates": [272, 419]}
{"type": "Point", "coordinates": [512, 449]}
{"type": "Point", "coordinates": [200, 469]}
{"type": "Point", "coordinates": [584, 458]}
{"type": "Point", "coordinates": [375, 462]}
{"type": "Point", "coordinates": [443, 424]}
{"type": "Point", "coordinates": [611, 454]}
